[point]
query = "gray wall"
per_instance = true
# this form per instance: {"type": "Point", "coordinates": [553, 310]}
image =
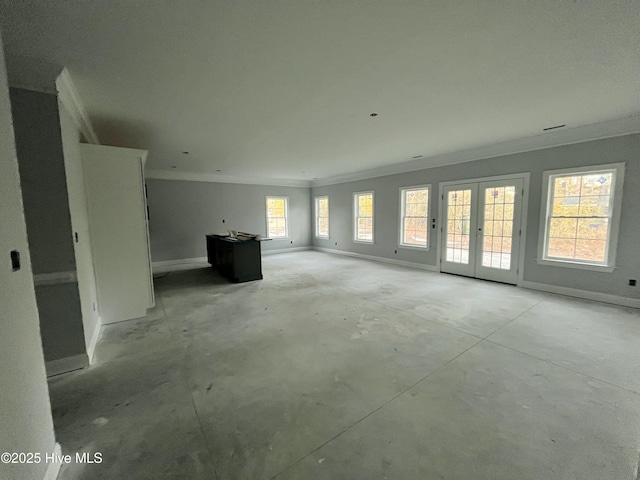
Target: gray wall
{"type": "Point", "coordinates": [182, 213]}
{"type": "Point", "coordinates": [25, 411]}
{"type": "Point", "coordinates": [46, 205]}
{"type": "Point", "coordinates": [387, 197]}
{"type": "Point", "coordinates": [44, 184]}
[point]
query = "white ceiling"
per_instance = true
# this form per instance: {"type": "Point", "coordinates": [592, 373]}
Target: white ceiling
{"type": "Point", "coordinates": [284, 89]}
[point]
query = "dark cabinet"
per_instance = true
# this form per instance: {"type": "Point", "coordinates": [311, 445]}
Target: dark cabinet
{"type": "Point", "coordinates": [237, 260]}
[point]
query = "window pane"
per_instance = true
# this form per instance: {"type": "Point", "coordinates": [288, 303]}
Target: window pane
{"type": "Point", "coordinates": [563, 228]}
{"type": "Point", "coordinates": [561, 248]}
{"type": "Point", "coordinates": [322, 216]}
{"type": "Point", "coordinates": [591, 249]}
{"type": "Point", "coordinates": [276, 217]}
{"type": "Point", "coordinates": [414, 228]}
{"type": "Point", "coordinates": [593, 228]}
{"type": "Point", "coordinates": [364, 216]}
{"type": "Point", "coordinates": [579, 224]}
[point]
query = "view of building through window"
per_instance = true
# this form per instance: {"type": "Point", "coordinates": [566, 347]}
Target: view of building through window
{"type": "Point", "coordinates": [415, 217]}
{"type": "Point", "coordinates": [363, 216]}
{"type": "Point", "coordinates": [322, 217]}
{"type": "Point", "coordinates": [277, 217]}
{"type": "Point", "coordinates": [579, 216]}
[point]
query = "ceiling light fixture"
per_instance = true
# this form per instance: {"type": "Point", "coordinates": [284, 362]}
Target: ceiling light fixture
{"type": "Point", "coordinates": [173, 166]}
{"type": "Point", "coordinates": [185, 153]}
{"type": "Point", "coordinates": [374, 114]}
{"type": "Point", "coordinates": [553, 128]}
{"type": "Point", "coordinates": [218, 170]}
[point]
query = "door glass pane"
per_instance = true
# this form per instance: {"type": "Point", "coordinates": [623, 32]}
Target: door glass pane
{"type": "Point", "coordinates": [458, 223]}
{"type": "Point", "coordinates": [498, 227]}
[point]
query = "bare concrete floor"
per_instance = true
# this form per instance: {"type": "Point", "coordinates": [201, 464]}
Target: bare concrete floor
{"type": "Point", "coordinates": [337, 368]}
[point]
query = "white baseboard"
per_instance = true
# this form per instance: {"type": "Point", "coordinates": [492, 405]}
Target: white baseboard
{"type": "Point", "coordinates": [586, 294]}
{"type": "Point", "coordinates": [180, 264]}
{"type": "Point", "coordinates": [67, 364]}
{"type": "Point", "coordinates": [53, 468]}
{"type": "Point", "coordinates": [392, 261]}
{"type": "Point", "coordinates": [285, 250]}
{"type": "Point", "coordinates": [91, 348]}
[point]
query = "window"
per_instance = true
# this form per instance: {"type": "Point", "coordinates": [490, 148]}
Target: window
{"type": "Point", "coordinates": [581, 217]}
{"type": "Point", "coordinates": [322, 217]}
{"type": "Point", "coordinates": [277, 217]}
{"type": "Point", "coordinates": [363, 217]}
{"type": "Point", "coordinates": [414, 216]}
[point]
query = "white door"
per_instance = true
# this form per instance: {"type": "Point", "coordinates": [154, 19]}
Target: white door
{"type": "Point", "coordinates": [481, 230]}
{"type": "Point", "coordinates": [460, 225]}
{"type": "Point", "coordinates": [114, 186]}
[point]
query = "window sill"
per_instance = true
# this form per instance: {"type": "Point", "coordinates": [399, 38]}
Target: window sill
{"type": "Point", "coordinates": [414, 247]}
{"type": "Point", "coordinates": [323, 237]}
{"type": "Point", "coordinates": [578, 266]}
{"type": "Point", "coordinates": [366, 242]}
{"type": "Point", "coordinates": [280, 238]}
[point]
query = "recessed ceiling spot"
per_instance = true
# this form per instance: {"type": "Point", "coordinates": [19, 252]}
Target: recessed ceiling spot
{"type": "Point", "coordinates": [185, 153]}
{"type": "Point", "coordinates": [218, 170]}
{"type": "Point", "coordinates": [417, 156]}
{"type": "Point", "coordinates": [553, 128]}
{"type": "Point", "coordinates": [374, 114]}
{"type": "Point", "coordinates": [173, 166]}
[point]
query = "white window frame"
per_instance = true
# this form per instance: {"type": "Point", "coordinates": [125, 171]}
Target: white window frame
{"type": "Point", "coordinates": [401, 243]}
{"type": "Point", "coordinates": [614, 217]}
{"type": "Point", "coordinates": [355, 217]}
{"type": "Point", "coordinates": [286, 215]}
{"type": "Point", "coordinates": [317, 213]}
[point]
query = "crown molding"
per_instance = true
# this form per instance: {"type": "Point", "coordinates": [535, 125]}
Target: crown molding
{"type": "Point", "coordinates": [556, 138]}
{"type": "Point", "coordinates": [212, 178]}
{"type": "Point", "coordinates": [71, 101]}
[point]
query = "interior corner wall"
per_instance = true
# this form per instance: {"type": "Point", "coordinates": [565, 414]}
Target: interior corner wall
{"type": "Point", "coordinates": [25, 412]}
{"type": "Point", "coordinates": [181, 213]}
{"type": "Point", "coordinates": [387, 209]}
{"type": "Point", "coordinates": [78, 211]}
{"type": "Point", "coordinates": [38, 140]}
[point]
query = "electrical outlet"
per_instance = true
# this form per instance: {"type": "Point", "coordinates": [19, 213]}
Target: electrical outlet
{"type": "Point", "coordinates": [395, 251]}
{"type": "Point", "coordinates": [632, 282]}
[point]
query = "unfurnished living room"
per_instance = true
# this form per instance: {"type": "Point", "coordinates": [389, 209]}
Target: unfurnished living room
{"type": "Point", "coordinates": [296, 239]}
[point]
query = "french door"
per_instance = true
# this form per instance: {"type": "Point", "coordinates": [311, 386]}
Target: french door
{"type": "Point", "coordinates": [481, 230]}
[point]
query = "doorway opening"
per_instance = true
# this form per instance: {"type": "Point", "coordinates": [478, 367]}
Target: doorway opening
{"type": "Point", "coordinates": [482, 230]}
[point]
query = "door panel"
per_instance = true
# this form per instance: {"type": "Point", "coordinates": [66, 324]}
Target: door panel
{"type": "Point", "coordinates": [499, 231]}
{"type": "Point", "coordinates": [481, 229]}
{"type": "Point", "coordinates": [459, 229]}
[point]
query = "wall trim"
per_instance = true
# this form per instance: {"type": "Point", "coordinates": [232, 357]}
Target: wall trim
{"type": "Point", "coordinates": [91, 348]}
{"type": "Point", "coordinates": [212, 178]}
{"type": "Point", "coordinates": [54, 278]}
{"type": "Point", "coordinates": [70, 99]}
{"type": "Point", "coordinates": [402, 263]}
{"type": "Point", "coordinates": [66, 364]}
{"type": "Point", "coordinates": [585, 294]}
{"type": "Point", "coordinates": [166, 266]}
{"type": "Point", "coordinates": [556, 138]}
{"type": "Point", "coordinates": [53, 468]}
{"type": "Point", "coordinates": [285, 250]}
